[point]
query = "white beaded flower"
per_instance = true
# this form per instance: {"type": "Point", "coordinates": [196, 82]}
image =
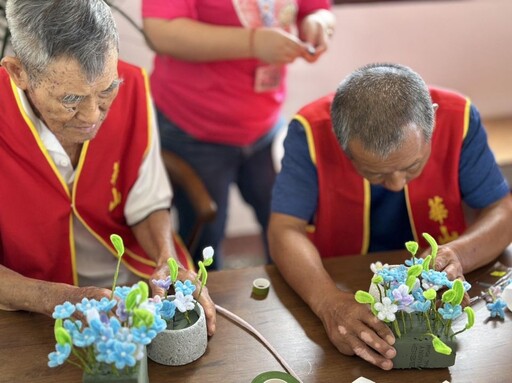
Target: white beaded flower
{"type": "Point", "coordinates": [386, 310]}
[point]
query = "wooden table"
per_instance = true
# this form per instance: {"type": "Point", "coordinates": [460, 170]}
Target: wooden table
{"type": "Point", "coordinates": [234, 355]}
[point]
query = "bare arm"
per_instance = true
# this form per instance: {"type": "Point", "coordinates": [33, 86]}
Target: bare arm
{"type": "Point", "coordinates": [351, 327]}
{"type": "Point", "coordinates": [154, 235]}
{"type": "Point", "coordinates": [191, 40]}
{"type": "Point", "coordinates": [21, 293]}
{"type": "Point", "coordinates": [482, 242]}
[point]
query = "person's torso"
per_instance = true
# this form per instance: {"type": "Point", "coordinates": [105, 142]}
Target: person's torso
{"type": "Point", "coordinates": [36, 225]}
{"type": "Point", "coordinates": [216, 101]}
{"type": "Point", "coordinates": [433, 200]}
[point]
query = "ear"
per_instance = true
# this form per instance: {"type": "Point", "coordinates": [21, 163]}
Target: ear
{"type": "Point", "coordinates": [16, 71]}
{"type": "Point", "coordinates": [434, 107]}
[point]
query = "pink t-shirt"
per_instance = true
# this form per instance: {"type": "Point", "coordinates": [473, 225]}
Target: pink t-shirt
{"type": "Point", "coordinates": [216, 101]}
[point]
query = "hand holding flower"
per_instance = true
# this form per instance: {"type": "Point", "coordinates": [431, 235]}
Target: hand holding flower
{"type": "Point", "coordinates": [171, 275]}
{"type": "Point", "coordinates": [415, 288]}
{"type": "Point", "coordinates": [354, 330]}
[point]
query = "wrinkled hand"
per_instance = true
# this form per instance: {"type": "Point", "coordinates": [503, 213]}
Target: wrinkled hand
{"type": "Point", "coordinates": [275, 46]}
{"type": "Point", "coordinates": [162, 272]}
{"type": "Point", "coordinates": [447, 260]}
{"type": "Point", "coordinates": [354, 330]}
{"type": "Point", "coordinates": [313, 32]}
{"type": "Point", "coordinates": [72, 294]}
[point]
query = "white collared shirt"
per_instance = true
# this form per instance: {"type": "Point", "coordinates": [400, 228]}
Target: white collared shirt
{"type": "Point", "coordinates": [151, 192]}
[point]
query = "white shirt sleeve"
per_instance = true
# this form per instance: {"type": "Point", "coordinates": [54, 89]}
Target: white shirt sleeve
{"type": "Point", "coordinates": [152, 190]}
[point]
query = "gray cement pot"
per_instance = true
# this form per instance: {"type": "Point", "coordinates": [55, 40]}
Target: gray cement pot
{"type": "Point", "coordinates": [176, 347]}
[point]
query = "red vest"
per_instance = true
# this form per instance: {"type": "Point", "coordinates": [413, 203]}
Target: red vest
{"type": "Point", "coordinates": [342, 222]}
{"type": "Point", "coordinates": [36, 224]}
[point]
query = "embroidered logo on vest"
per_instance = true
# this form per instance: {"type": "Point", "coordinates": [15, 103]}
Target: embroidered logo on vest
{"type": "Point", "coordinates": [438, 213]}
{"type": "Point", "coordinates": [116, 194]}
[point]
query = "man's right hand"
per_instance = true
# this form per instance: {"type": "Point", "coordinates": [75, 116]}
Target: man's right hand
{"type": "Point", "coordinates": [276, 46]}
{"type": "Point", "coordinates": [41, 296]}
{"type": "Point", "coordinates": [354, 330]}
{"type": "Point", "coordinates": [62, 293]}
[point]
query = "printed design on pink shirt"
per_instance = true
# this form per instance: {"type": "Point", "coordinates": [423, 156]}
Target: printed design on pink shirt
{"type": "Point", "coordinates": [266, 13]}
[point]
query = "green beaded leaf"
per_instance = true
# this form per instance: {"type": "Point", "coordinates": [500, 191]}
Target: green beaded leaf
{"type": "Point", "coordinates": [412, 247]}
{"type": "Point", "coordinates": [471, 317]}
{"type": "Point", "coordinates": [117, 241]}
{"type": "Point", "coordinates": [426, 263]}
{"type": "Point", "coordinates": [415, 270]}
{"type": "Point", "coordinates": [449, 296]}
{"type": "Point", "coordinates": [458, 288]}
{"type": "Point", "coordinates": [144, 291]}
{"type": "Point", "coordinates": [433, 244]}
{"type": "Point", "coordinates": [58, 323]}
{"type": "Point", "coordinates": [364, 297]}
{"type": "Point", "coordinates": [410, 282]}
{"type": "Point", "coordinates": [173, 269]}
{"type": "Point", "coordinates": [203, 272]}
{"type": "Point", "coordinates": [62, 336]}
{"type": "Point", "coordinates": [208, 262]}
{"type": "Point", "coordinates": [133, 299]}
{"type": "Point", "coordinates": [377, 279]}
{"type": "Point", "coordinates": [440, 346]}
{"type": "Point", "coordinates": [143, 317]}
{"type": "Point", "coordinates": [430, 294]}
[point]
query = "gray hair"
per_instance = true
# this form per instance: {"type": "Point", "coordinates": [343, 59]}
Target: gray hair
{"type": "Point", "coordinates": [377, 103]}
{"type": "Point", "coordinates": [45, 30]}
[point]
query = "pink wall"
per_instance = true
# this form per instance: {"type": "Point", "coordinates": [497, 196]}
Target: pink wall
{"type": "Point", "coordinates": [464, 44]}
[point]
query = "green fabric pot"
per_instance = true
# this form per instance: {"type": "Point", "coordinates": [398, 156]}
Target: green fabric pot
{"type": "Point", "coordinates": [414, 348]}
{"type": "Point", "coordinates": [138, 374]}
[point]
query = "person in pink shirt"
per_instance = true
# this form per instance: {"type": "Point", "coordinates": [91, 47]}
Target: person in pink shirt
{"type": "Point", "coordinates": [219, 84]}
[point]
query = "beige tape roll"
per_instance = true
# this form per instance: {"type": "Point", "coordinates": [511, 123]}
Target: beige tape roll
{"type": "Point", "coordinates": [260, 286]}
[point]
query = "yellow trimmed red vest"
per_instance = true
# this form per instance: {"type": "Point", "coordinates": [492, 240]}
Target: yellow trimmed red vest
{"type": "Point", "coordinates": [37, 206]}
{"type": "Point", "coordinates": [342, 221]}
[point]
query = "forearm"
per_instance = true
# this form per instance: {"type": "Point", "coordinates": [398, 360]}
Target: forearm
{"type": "Point", "coordinates": [154, 234]}
{"type": "Point", "coordinates": [190, 40]}
{"type": "Point", "coordinates": [21, 293]}
{"type": "Point", "coordinates": [350, 326]}
{"type": "Point", "coordinates": [298, 261]}
{"type": "Point", "coordinates": [487, 237]}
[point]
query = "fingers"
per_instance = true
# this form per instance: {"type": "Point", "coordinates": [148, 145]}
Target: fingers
{"type": "Point", "coordinates": [466, 300]}
{"type": "Point", "coordinates": [160, 273]}
{"type": "Point", "coordinates": [386, 334]}
{"type": "Point", "coordinates": [380, 338]}
{"type": "Point", "coordinates": [93, 293]}
{"type": "Point", "coordinates": [367, 345]}
{"type": "Point", "coordinates": [291, 52]}
{"type": "Point", "coordinates": [155, 290]}
{"type": "Point", "coordinates": [374, 358]}
{"type": "Point", "coordinates": [209, 311]}
{"type": "Point", "coordinates": [89, 292]}
{"type": "Point", "coordinates": [185, 274]}
{"type": "Point", "coordinates": [453, 272]}
{"type": "Point", "coordinates": [450, 266]}
{"type": "Point", "coordinates": [276, 46]}
{"type": "Point", "coordinates": [204, 299]}
{"type": "Point", "coordinates": [359, 332]}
